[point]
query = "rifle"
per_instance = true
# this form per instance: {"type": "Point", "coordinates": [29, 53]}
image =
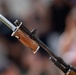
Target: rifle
{"type": "Point", "coordinates": [29, 39]}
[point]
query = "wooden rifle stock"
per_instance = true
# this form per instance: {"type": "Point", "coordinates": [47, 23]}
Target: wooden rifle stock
{"type": "Point", "coordinates": [26, 40]}
{"type": "Point", "coordinates": [71, 73]}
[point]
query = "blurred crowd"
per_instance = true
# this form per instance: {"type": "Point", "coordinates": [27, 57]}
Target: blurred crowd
{"type": "Point", "coordinates": [55, 21]}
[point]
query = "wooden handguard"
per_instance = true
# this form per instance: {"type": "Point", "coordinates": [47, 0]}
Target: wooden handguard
{"type": "Point", "coordinates": [71, 73]}
{"type": "Point", "coordinates": [26, 40]}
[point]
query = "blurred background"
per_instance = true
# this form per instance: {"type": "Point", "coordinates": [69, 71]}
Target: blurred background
{"type": "Point", "coordinates": [55, 21]}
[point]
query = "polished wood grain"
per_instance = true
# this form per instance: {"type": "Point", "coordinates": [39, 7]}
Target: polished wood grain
{"type": "Point", "coordinates": [26, 40]}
